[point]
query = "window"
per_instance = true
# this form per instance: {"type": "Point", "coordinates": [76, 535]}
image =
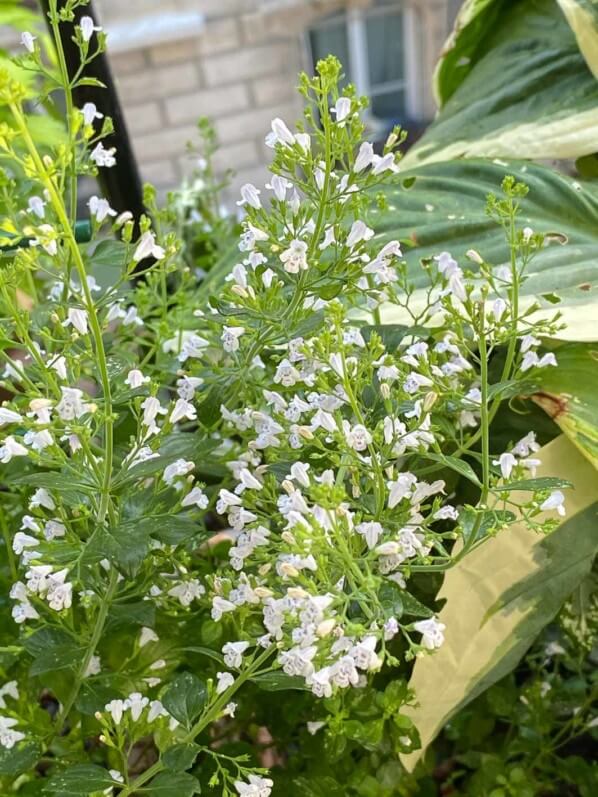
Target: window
{"type": "Point", "coordinates": [380, 49]}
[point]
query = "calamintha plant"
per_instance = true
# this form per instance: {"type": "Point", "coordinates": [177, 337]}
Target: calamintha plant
{"type": "Point", "coordinates": [205, 494]}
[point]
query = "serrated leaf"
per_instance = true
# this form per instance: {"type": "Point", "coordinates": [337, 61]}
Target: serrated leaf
{"type": "Point", "coordinates": [174, 784]}
{"type": "Point", "coordinates": [181, 756]}
{"type": "Point", "coordinates": [456, 464]}
{"type": "Point", "coordinates": [19, 759]}
{"type": "Point", "coordinates": [185, 697]}
{"type": "Point", "coordinates": [81, 779]}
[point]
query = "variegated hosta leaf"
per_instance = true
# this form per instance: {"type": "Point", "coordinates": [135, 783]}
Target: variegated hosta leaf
{"type": "Point", "coordinates": [528, 93]}
{"type": "Point", "coordinates": [445, 210]}
{"type": "Point", "coordinates": [501, 595]}
{"type": "Point", "coordinates": [569, 394]}
{"type": "Point", "coordinates": [582, 16]}
{"type": "Point", "coordinates": [461, 51]}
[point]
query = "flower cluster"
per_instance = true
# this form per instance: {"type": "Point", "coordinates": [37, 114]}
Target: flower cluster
{"type": "Point", "coordinates": [262, 478]}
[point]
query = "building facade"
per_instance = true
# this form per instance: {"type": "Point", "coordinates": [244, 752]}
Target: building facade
{"type": "Point", "coordinates": [236, 61]}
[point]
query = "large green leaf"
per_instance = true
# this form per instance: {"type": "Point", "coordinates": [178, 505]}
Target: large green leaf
{"type": "Point", "coordinates": [501, 595]}
{"type": "Point", "coordinates": [569, 394]}
{"type": "Point", "coordinates": [582, 16]}
{"type": "Point", "coordinates": [445, 210]}
{"type": "Point", "coordinates": [527, 91]}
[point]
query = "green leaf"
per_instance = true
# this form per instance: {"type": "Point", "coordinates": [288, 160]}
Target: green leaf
{"type": "Point", "coordinates": [53, 649]}
{"type": "Point", "coordinates": [456, 464]}
{"type": "Point", "coordinates": [181, 756]}
{"type": "Point", "coordinates": [168, 784]}
{"type": "Point", "coordinates": [278, 682]}
{"type": "Point", "coordinates": [582, 16]}
{"type": "Point", "coordinates": [108, 261]}
{"type": "Point", "coordinates": [185, 697]}
{"type": "Point", "coordinates": [569, 394]}
{"type": "Point", "coordinates": [439, 214]}
{"type": "Point", "coordinates": [19, 759]}
{"type": "Point", "coordinates": [532, 485]}
{"type": "Point", "coordinates": [493, 520]}
{"type": "Point", "coordinates": [81, 779]}
{"type": "Point", "coordinates": [501, 595]}
{"type": "Point", "coordinates": [525, 91]}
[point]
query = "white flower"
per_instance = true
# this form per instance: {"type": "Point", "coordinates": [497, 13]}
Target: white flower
{"type": "Point", "coordinates": [116, 709]}
{"type": "Point", "coordinates": [220, 606]}
{"type": "Point", "coordinates": [11, 448]}
{"type": "Point", "coordinates": [431, 631]}
{"type": "Point", "coordinates": [229, 710]}
{"type": "Point", "coordinates": [22, 541]}
{"type": "Point", "coordinates": [147, 247]}
{"type": "Point", "coordinates": [498, 308]}
{"type": "Point", "coordinates": [187, 591]}
{"type": "Point", "coordinates": [156, 710]}
{"type": "Point", "coordinates": [136, 703]}
{"type": "Point", "coordinates": [295, 257]}
{"type": "Point", "coordinates": [267, 277]}
{"type": "Point", "coordinates": [230, 338]}
{"type": "Point", "coordinates": [384, 163]}
{"type": "Point", "coordinates": [151, 409]}
{"type": "Point", "coordinates": [187, 385]}
{"type": "Point", "coordinates": [233, 653]}
{"type": "Point", "coordinates": [100, 208]}
{"type": "Point", "coordinates": [342, 108]}
{"type": "Point", "coordinates": [250, 195]}
{"type": "Point", "coordinates": [196, 497]}
{"type": "Point", "coordinates": [359, 232]}
{"type": "Point", "coordinates": [36, 206]}
{"type": "Point", "coordinates": [179, 468]}
{"type": "Point", "coordinates": [279, 185]}
{"type": "Point", "coordinates": [299, 472]}
{"type": "Point", "coordinates": [371, 532]}
{"type": "Point", "coordinates": [356, 436]}
{"type": "Point", "coordinates": [280, 134]}
{"type": "Point", "coordinates": [555, 500]}
{"type": "Point", "coordinates": [78, 319]}
{"type": "Point", "coordinates": [88, 28]}
{"type": "Point", "coordinates": [8, 736]}
{"type": "Point", "coordinates": [41, 497]}
{"type": "Point", "coordinates": [10, 688]}
{"type": "Point", "coordinates": [9, 416]}
{"type": "Point", "coordinates": [147, 635]}
{"type": "Point", "coordinates": [225, 680]}
{"type": "Point", "coordinates": [286, 374]}
{"type": "Point", "coordinates": [136, 379]}
{"type": "Point", "coordinates": [71, 405]}
{"type": "Point", "coordinates": [103, 157]}
{"type": "Point", "coordinates": [183, 410]}
{"type": "Point", "coordinates": [94, 667]}
{"type": "Point", "coordinates": [58, 364]}
{"type": "Point", "coordinates": [90, 113]}
{"type": "Point", "coordinates": [27, 40]}
{"type": "Point", "coordinates": [257, 787]}
{"type": "Point", "coordinates": [365, 156]}
{"type": "Point", "coordinates": [506, 462]}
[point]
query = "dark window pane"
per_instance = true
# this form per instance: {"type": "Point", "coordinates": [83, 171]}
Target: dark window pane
{"type": "Point", "coordinates": [385, 48]}
{"type": "Point", "coordinates": [389, 106]}
{"type": "Point", "coordinates": [331, 39]}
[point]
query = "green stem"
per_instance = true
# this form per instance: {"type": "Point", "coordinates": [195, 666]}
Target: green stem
{"type": "Point", "coordinates": [206, 719]}
{"type": "Point", "coordinates": [94, 323]}
{"type": "Point", "coordinates": [93, 643]}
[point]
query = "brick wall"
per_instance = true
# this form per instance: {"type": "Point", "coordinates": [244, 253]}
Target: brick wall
{"type": "Point", "coordinates": [228, 72]}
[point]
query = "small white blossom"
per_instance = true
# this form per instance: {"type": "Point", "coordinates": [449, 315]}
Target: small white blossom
{"type": "Point", "coordinates": [88, 28]}
{"type": "Point", "coordinates": [224, 681]}
{"type": "Point", "coordinates": [431, 631]}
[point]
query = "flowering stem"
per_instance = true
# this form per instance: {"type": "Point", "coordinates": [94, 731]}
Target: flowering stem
{"type": "Point", "coordinates": [69, 108]}
{"type": "Point", "coordinates": [93, 643]}
{"type": "Point", "coordinates": [94, 323]}
{"type": "Point", "coordinates": [206, 719]}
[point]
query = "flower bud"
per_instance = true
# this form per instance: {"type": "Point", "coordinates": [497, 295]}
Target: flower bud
{"type": "Point", "coordinates": [475, 256]}
{"type": "Point", "coordinates": [385, 390]}
{"type": "Point", "coordinates": [325, 627]}
{"type": "Point", "coordinates": [429, 401]}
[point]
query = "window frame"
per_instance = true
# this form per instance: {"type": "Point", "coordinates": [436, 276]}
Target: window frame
{"type": "Point", "coordinates": [354, 19]}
